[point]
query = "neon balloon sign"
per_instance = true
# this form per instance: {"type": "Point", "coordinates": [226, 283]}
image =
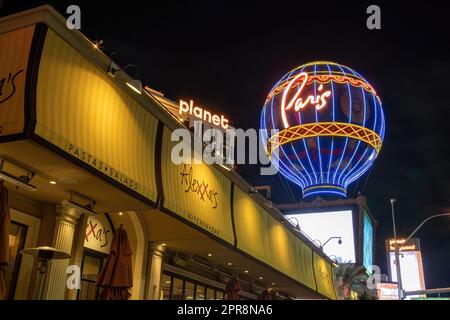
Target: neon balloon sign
{"type": "Point", "coordinates": [319, 101]}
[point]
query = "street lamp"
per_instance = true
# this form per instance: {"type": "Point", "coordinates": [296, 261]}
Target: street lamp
{"type": "Point", "coordinates": [424, 221]}
{"type": "Point", "coordinates": [339, 241]}
{"type": "Point", "coordinates": [323, 245]}
{"type": "Point", "coordinates": [396, 246]}
{"type": "Point", "coordinates": [397, 254]}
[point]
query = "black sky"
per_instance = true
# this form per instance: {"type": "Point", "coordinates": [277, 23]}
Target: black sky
{"type": "Point", "coordinates": [227, 55]}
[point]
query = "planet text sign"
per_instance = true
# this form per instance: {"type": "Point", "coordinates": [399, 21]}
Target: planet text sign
{"type": "Point", "coordinates": [202, 114]}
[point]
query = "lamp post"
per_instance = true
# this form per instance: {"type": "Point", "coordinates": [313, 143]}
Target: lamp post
{"type": "Point", "coordinates": [397, 255]}
{"type": "Point", "coordinates": [396, 246]}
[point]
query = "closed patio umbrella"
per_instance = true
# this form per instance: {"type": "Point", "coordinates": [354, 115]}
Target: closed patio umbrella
{"type": "Point", "coordinates": [117, 276]}
{"type": "Point", "coordinates": [5, 220]}
{"type": "Point", "coordinates": [233, 287]}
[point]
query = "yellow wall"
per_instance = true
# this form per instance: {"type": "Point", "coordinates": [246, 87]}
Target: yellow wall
{"type": "Point", "coordinates": [83, 112]}
{"type": "Point", "coordinates": [324, 277]}
{"type": "Point", "coordinates": [14, 52]}
{"type": "Point", "coordinates": [205, 202]}
{"type": "Point", "coordinates": [262, 236]}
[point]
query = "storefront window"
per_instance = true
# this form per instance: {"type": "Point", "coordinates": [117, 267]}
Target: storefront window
{"type": "Point", "coordinates": [166, 281]}
{"type": "Point", "coordinates": [209, 294]}
{"type": "Point", "coordinates": [189, 291]}
{"type": "Point", "coordinates": [174, 287]}
{"type": "Point", "coordinates": [177, 289]}
{"type": "Point", "coordinates": [92, 266]}
{"type": "Point", "coordinates": [17, 235]}
{"type": "Point", "coordinates": [219, 295]}
{"type": "Point", "coordinates": [200, 293]}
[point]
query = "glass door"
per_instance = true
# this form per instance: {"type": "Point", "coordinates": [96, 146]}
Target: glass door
{"type": "Point", "coordinates": [17, 235]}
{"type": "Point", "coordinates": [92, 266]}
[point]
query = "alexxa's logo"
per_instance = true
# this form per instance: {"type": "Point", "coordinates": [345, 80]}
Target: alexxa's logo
{"type": "Point", "coordinates": [198, 186]}
{"type": "Point", "coordinates": [7, 86]}
{"type": "Point", "coordinates": [297, 102]}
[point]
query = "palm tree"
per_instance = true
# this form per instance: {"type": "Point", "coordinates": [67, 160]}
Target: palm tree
{"type": "Point", "coordinates": [350, 279]}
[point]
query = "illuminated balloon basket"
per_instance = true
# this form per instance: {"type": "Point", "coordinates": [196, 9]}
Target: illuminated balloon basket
{"type": "Point", "coordinates": [330, 126]}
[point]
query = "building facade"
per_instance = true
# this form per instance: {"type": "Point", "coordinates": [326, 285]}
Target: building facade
{"type": "Point", "coordinates": [83, 153]}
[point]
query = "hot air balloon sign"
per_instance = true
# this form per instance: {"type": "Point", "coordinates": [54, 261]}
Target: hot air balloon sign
{"type": "Point", "coordinates": [330, 126]}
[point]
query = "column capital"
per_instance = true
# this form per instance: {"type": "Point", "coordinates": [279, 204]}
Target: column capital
{"type": "Point", "coordinates": [156, 248]}
{"type": "Point", "coordinates": [68, 214]}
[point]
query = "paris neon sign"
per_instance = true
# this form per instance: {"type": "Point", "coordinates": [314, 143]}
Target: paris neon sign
{"type": "Point", "coordinates": [297, 102]}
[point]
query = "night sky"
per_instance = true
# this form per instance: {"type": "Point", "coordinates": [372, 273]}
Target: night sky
{"type": "Point", "coordinates": [227, 56]}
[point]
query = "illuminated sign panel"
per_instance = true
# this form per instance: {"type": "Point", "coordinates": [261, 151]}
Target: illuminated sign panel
{"type": "Point", "coordinates": [411, 267]}
{"type": "Point", "coordinates": [15, 49]}
{"type": "Point", "coordinates": [299, 102]}
{"type": "Point", "coordinates": [198, 193]}
{"type": "Point", "coordinates": [387, 291]}
{"type": "Point", "coordinates": [410, 245]}
{"type": "Point", "coordinates": [80, 110]}
{"type": "Point", "coordinates": [367, 242]}
{"type": "Point", "coordinates": [323, 225]}
{"type": "Point", "coordinates": [98, 234]}
{"type": "Point", "coordinates": [330, 127]}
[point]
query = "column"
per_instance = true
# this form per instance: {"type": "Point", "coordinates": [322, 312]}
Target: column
{"type": "Point", "coordinates": [65, 226]}
{"type": "Point", "coordinates": [155, 259]}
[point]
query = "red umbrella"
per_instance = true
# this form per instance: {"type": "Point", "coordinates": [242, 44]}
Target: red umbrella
{"type": "Point", "coordinates": [233, 287]}
{"type": "Point", "coordinates": [5, 220]}
{"type": "Point", "coordinates": [117, 276]}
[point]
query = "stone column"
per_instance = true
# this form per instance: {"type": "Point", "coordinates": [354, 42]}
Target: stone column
{"type": "Point", "coordinates": [65, 226]}
{"type": "Point", "coordinates": [155, 259]}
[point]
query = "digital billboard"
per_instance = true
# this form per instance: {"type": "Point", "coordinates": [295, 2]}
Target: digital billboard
{"type": "Point", "coordinates": [411, 268]}
{"type": "Point", "coordinates": [387, 291]}
{"type": "Point", "coordinates": [367, 243]}
{"type": "Point", "coordinates": [321, 226]}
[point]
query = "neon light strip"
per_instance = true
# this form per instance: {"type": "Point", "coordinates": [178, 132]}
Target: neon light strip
{"type": "Point", "coordinates": [325, 186]}
{"type": "Point", "coordinates": [334, 119]}
{"type": "Point", "coordinates": [355, 168]}
{"type": "Point", "coordinates": [265, 138]}
{"type": "Point", "coordinates": [304, 145]}
{"type": "Point", "coordinates": [305, 194]}
{"type": "Point", "coordinates": [349, 121]}
{"type": "Point", "coordinates": [359, 142]}
{"type": "Point", "coordinates": [369, 161]}
{"type": "Point", "coordinates": [301, 175]}
{"type": "Point", "coordinates": [317, 138]}
{"type": "Point", "coordinates": [360, 170]}
{"type": "Point", "coordinates": [325, 129]}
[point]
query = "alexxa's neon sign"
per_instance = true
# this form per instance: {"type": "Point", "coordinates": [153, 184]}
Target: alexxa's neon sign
{"type": "Point", "coordinates": [205, 115]}
{"type": "Point", "coordinates": [297, 101]}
